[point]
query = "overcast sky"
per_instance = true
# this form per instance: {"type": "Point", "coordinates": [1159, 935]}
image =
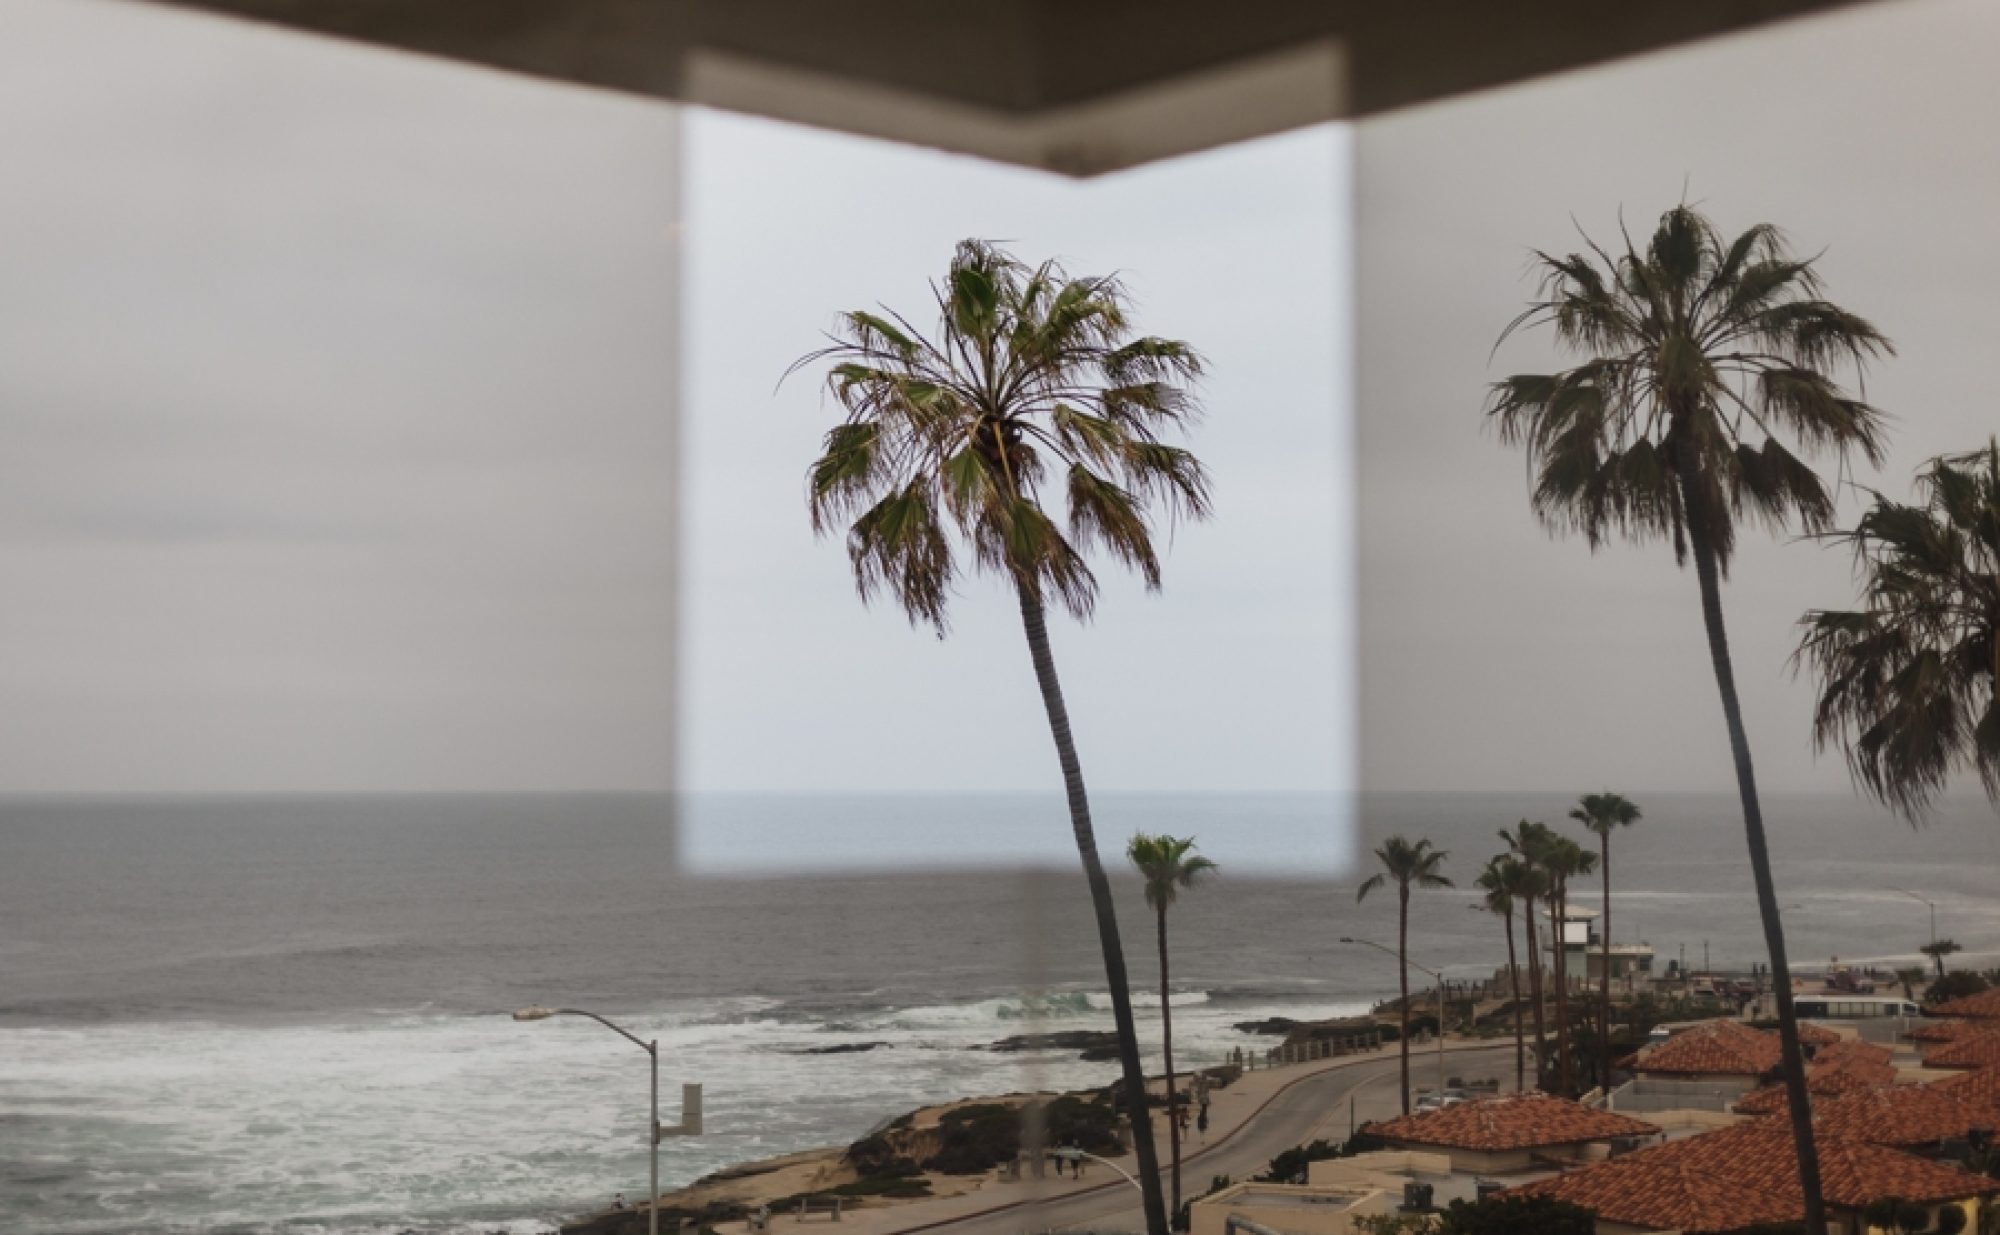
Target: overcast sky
{"type": "Point", "coordinates": [335, 389]}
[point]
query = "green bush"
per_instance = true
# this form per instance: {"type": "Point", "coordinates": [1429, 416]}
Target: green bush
{"type": "Point", "coordinates": [1517, 1215]}
{"type": "Point", "coordinates": [1955, 985]}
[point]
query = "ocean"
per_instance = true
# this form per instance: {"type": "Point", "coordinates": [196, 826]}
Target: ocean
{"type": "Point", "coordinates": [290, 1015]}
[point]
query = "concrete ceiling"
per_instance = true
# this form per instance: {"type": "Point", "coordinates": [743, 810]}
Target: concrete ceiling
{"type": "Point", "coordinates": [1076, 86]}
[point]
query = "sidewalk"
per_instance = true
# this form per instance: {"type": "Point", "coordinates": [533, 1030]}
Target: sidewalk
{"type": "Point", "coordinates": [1231, 1110]}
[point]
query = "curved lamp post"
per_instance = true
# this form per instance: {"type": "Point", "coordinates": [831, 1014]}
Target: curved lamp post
{"type": "Point", "coordinates": [1435, 976]}
{"type": "Point", "coordinates": [1073, 1155]}
{"type": "Point", "coordinates": [690, 1124]}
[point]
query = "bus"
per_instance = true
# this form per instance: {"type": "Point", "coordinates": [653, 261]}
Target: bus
{"type": "Point", "coordinates": [1841, 1006]}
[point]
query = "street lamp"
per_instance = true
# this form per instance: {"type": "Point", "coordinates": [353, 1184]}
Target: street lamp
{"type": "Point", "coordinates": [1369, 943]}
{"type": "Point", "coordinates": [1926, 900]}
{"type": "Point", "coordinates": [690, 1124]}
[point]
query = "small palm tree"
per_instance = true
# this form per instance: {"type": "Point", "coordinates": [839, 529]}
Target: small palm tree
{"type": "Point", "coordinates": [1698, 357]}
{"type": "Point", "coordinates": [1409, 864]}
{"type": "Point", "coordinates": [1603, 813]}
{"type": "Point", "coordinates": [1938, 949]}
{"type": "Point", "coordinates": [1910, 681]}
{"type": "Point", "coordinates": [1505, 882]}
{"type": "Point", "coordinates": [1168, 864]}
{"type": "Point", "coordinates": [1909, 977]}
{"type": "Point", "coordinates": [1564, 860]}
{"type": "Point", "coordinates": [1528, 842]}
{"type": "Point", "coordinates": [1035, 386]}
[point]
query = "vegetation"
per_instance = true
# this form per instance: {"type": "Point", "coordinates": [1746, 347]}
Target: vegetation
{"type": "Point", "coordinates": [1527, 842]}
{"type": "Point", "coordinates": [1562, 861]}
{"type": "Point", "coordinates": [1909, 977]}
{"type": "Point", "coordinates": [1409, 864]}
{"type": "Point", "coordinates": [1603, 813]}
{"type": "Point", "coordinates": [1168, 864]}
{"type": "Point", "coordinates": [1517, 1215]}
{"type": "Point", "coordinates": [1907, 681]}
{"type": "Point", "coordinates": [1290, 1166]}
{"type": "Point", "coordinates": [1504, 880]}
{"type": "Point", "coordinates": [1891, 1213]}
{"type": "Point", "coordinates": [1034, 383]}
{"type": "Point", "coordinates": [1699, 357]}
{"type": "Point", "coordinates": [1937, 950]}
{"type": "Point", "coordinates": [1955, 985]}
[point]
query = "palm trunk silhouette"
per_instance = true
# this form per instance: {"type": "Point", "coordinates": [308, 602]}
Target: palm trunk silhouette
{"type": "Point", "coordinates": [1534, 942]}
{"type": "Point", "coordinates": [1153, 1202]}
{"type": "Point", "coordinates": [1514, 974]}
{"type": "Point", "coordinates": [1560, 973]}
{"type": "Point", "coordinates": [1700, 542]}
{"type": "Point", "coordinates": [1167, 1052]}
{"type": "Point", "coordinates": [1604, 978]}
{"type": "Point", "coordinates": [1403, 977]}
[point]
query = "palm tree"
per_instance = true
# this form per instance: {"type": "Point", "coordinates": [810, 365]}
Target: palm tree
{"type": "Point", "coordinates": [1505, 881]}
{"type": "Point", "coordinates": [1938, 949]}
{"type": "Point", "coordinates": [1602, 813]}
{"type": "Point", "coordinates": [1409, 864]}
{"type": "Point", "coordinates": [1909, 977]}
{"type": "Point", "coordinates": [1563, 860]}
{"type": "Point", "coordinates": [1168, 864]}
{"type": "Point", "coordinates": [1528, 841]}
{"type": "Point", "coordinates": [1910, 681]}
{"type": "Point", "coordinates": [950, 445]}
{"type": "Point", "coordinates": [1698, 356]}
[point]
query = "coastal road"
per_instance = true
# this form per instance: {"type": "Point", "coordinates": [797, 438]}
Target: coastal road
{"type": "Point", "coordinates": [1315, 1107]}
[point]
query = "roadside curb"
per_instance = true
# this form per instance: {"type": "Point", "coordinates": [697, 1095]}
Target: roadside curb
{"type": "Point", "coordinates": [1338, 1065]}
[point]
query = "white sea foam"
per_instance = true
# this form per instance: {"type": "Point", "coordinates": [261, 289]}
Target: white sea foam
{"type": "Point", "coordinates": [451, 1123]}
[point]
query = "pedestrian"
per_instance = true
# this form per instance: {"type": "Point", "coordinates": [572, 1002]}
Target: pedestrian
{"type": "Point", "coordinates": [618, 1202]}
{"type": "Point", "coordinates": [1201, 1124]}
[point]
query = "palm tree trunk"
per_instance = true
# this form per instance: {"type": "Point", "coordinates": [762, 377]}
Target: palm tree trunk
{"type": "Point", "coordinates": [1604, 978]}
{"type": "Point", "coordinates": [1792, 1059]}
{"type": "Point", "coordinates": [1167, 1050]}
{"type": "Point", "coordinates": [1514, 974]}
{"type": "Point", "coordinates": [1564, 1085]}
{"type": "Point", "coordinates": [1107, 916]}
{"type": "Point", "coordinates": [1403, 975]}
{"type": "Point", "coordinates": [1534, 942]}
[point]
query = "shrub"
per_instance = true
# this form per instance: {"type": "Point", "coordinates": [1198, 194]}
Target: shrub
{"type": "Point", "coordinates": [1517, 1215]}
{"type": "Point", "coordinates": [1955, 985]}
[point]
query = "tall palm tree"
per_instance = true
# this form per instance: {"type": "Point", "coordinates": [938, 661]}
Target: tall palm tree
{"type": "Point", "coordinates": [1168, 864]}
{"type": "Point", "coordinates": [1910, 680]}
{"type": "Point", "coordinates": [1564, 860]}
{"type": "Point", "coordinates": [1699, 356]}
{"type": "Point", "coordinates": [1527, 842]}
{"type": "Point", "coordinates": [1909, 977]}
{"type": "Point", "coordinates": [1409, 864]}
{"type": "Point", "coordinates": [1938, 949]}
{"type": "Point", "coordinates": [1504, 880]}
{"type": "Point", "coordinates": [1034, 386]}
{"type": "Point", "coordinates": [1602, 813]}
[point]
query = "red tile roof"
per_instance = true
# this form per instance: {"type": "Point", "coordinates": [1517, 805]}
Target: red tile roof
{"type": "Point", "coordinates": [1713, 1048]}
{"type": "Point", "coordinates": [1985, 1006]}
{"type": "Point", "coordinates": [1901, 1116]}
{"type": "Point", "coordinates": [1947, 1030]}
{"type": "Point", "coordinates": [1742, 1176]}
{"type": "Point", "coordinates": [1524, 1121]}
{"type": "Point", "coordinates": [1981, 1086]}
{"type": "Point", "coordinates": [1974, 1050]}
{"type": "Point", "coordinates": [1814, 1035]}
{"type": "Point", "coordinates": [1838, 1069]}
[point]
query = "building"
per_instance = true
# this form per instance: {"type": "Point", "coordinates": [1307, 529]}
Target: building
{"type": "Point", "coordinates": [1505, 1135]}
{"type": "Point", "coordinates": [1747, 1176]}
{"type": "Point", "coordinates": [1838, 1068]}
{"type": "Point", "coordinates": [1917, 1118]}
{"type": "Point", "coordinates": [1581, 950]}
{"type": "Point", "coordinates": [1722, 1053]}
{"type": "Point", "coordinates": [1336, 1192]}
{"type": "Point", "coordinates": [1984, 1006]}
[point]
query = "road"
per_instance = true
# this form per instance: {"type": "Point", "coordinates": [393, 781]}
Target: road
{"type": "Point", "coordinates": [1315, 1107]}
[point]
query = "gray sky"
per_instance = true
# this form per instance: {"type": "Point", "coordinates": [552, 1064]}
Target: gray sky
{"type": "Point", "coordinates": [335, 389]}
{"type": "Point", "coordinates": [1493, 657]}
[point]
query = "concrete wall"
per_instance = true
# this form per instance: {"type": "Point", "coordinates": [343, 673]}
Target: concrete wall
{"type": "Point", "coordinates": [1288, 1208]}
